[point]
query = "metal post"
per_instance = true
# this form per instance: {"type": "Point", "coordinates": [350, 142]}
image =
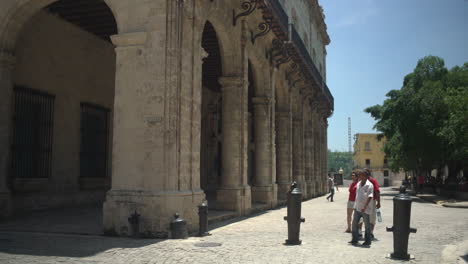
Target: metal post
{"type": "Point", "coordinates": [401, 225]}
{"type": "Point", "coordinates": [203, 219]}
{"type": "Point", "coordinates": [294, 215]}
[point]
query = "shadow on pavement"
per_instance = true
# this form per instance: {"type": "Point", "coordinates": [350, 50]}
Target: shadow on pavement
{"type": "Point", "coordinates": [66, 232]}
{"type": "Point", "coordinates": [36, 244]}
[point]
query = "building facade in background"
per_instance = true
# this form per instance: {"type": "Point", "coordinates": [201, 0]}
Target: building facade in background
{"type": "Point", "coordinates": [368, 153]}
{"type": "Point", "coordinates": [155, 106]}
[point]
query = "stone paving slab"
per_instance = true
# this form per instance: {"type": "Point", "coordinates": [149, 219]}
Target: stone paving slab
{"type": "Point", "coordinates": [441, 238]}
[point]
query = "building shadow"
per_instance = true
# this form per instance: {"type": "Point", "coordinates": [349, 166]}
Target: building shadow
{"type": "Point", "coordinates": [60, 245]}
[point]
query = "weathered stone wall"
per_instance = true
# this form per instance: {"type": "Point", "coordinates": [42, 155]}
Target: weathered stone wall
{"type": "Point", "coordinates": [59, 58]}
{"type": "Point", "coordinates": [303, 14]}
{"type": "Point", "coordinates": [158, 111]}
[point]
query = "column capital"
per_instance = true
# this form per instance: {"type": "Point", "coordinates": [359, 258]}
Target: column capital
{"type": "Point", "coordinates": [7, 60]}
{"type": "Point", "coordinates": [283, 114]}
{"type": "Point", "coordinates": [128, 40]}
{"type": "Point", "coordinates": [261, 100]}
{"type": "Point", "coordinates": [228, 82]}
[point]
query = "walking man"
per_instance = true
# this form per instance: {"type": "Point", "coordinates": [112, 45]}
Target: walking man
{"type": "Point", "coordinates": [331, 186]}
{"type": "Point", "coordinates": [362, 208]}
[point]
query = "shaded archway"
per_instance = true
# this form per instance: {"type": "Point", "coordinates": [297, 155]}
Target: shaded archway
{"type": "Point", "coordinates": [211, 117]}
{"type": "Point", "coordinates": [62, 91]}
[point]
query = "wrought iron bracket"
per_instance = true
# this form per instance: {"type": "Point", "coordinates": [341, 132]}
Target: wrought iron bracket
{"type": "Point", "coordinates": [264, 29]}
{"type": "Point", "coordinates": [248, 6]}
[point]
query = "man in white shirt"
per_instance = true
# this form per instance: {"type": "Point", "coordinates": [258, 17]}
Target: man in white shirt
{"type": "Point", "coordinates": [363, 208]}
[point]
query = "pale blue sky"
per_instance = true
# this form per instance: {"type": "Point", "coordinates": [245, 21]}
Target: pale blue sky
{"type": "Point", "coordinates": [375, 43]}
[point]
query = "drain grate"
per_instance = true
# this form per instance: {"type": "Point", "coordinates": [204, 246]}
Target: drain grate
{"type": "Point", "coordinates": [207, 244]}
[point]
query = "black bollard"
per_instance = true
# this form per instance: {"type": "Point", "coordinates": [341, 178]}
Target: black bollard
{"type": "Point", "coordinates": [401, 225]}
{"type": "Point", "coordinates": [179, 228]}
{"type": "Point", "coordinates": [203, 219]}
{"type": "Point", "coordinates": [294, 215]}
{"type": "Point", "coordinates": [134, 221]}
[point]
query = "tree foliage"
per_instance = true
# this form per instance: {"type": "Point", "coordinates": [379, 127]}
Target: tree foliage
{"type": "Point", "coordinates": [337, 160]}
{"type": "Point", "coordinates": [426, 121]}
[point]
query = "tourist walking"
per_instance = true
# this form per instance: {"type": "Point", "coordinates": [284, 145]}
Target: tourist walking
{"type": "Point", "coordinates": [351, 199]}
{"type": "Point", "coordinates": [362, 204]}
{"type": "Point", "coordinates": [331, 186]}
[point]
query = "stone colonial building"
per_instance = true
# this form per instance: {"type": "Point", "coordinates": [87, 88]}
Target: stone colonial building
{"type": "Point", "coordinates": [368, 153]}
{"type": "Point", "coordinates": [155, 106]}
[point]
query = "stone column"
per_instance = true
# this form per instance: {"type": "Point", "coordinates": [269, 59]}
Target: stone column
{"type": "Point", "coordinates": [316, 155]}
{"type": "Point", "coordinates": [234, 193]}
{"type": "Point", "coordinates": [284, 153]}
{"type": "Point", "coordinates": [323, 169]}
{"type": "Point", "coordinates": [298, 148]}
{"type": "Point", "coordinates": [319, 156]}
{"type": "Point", "coordinates": [264, 187]}
{"type": "Point", "coordinates": [325, 147]}
{"type": "Point", "coordinates": [7, 62]}
{"type": "Point", "coordinates": [308, 151]}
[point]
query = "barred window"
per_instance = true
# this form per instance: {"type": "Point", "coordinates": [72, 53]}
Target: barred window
{"type": "Point", "coordinates": [31, 150]}
{"type": "Point", "coordinates": [367, 146]}
{"type": "Point", "coordinates": [94, 141]}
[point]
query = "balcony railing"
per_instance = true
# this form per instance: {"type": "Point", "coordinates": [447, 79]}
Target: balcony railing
{"type": "Point", "coordinates": [304, 55]}
{"type": "Point", "coordinates": [274, 14]}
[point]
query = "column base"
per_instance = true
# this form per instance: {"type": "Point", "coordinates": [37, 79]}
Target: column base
{"type": "Point", "coordinates": [156, 210]}
{"type": "Point", "coordinates": [234, 199]}
{"type": "Point", "coordinates": [318, 192]}
{"type": "Point", "coordinates": [283, 189]}
{"type": "Point", "coordinates": [311, 190]}
{"type": "Point", "coordinates": [265, 194]}
{"type": "Point", "coordinates": [5, 205]}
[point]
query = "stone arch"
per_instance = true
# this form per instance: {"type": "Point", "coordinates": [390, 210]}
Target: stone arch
{"type": "Point", "coordinates": [18, 12]}
{"type": "Point", "coordinates": [230, 48]}
{"type": "Point", "coordinates": [71, 82]}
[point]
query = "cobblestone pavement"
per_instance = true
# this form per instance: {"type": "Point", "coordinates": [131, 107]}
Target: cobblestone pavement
{"type": "Point", "coordinates": [442, 237]}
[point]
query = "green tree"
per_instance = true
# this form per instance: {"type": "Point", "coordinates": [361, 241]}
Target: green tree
{"type": "Point", "coordinates": [337, 160]}
{"type": "Point", "coordinates": [425, 122]}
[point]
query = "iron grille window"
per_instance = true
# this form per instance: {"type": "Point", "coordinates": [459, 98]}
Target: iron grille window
{"type": "Point", "coordinates": [367, 146]}
{"type": "Point", "coordinates": [94, 141]}
{"type": "Point", "coordinates": [32, 133]}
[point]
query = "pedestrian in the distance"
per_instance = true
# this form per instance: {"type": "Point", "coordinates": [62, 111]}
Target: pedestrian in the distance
{"type": "Point", "coordinates": [364, 195]}
{"type": "Point", "coordinates": [331, 186]}
{"type": "Point", "coordinates": [351, 199]}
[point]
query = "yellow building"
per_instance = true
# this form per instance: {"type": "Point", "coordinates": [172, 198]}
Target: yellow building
{"type": "Point", "coordinates": [368, 153]}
